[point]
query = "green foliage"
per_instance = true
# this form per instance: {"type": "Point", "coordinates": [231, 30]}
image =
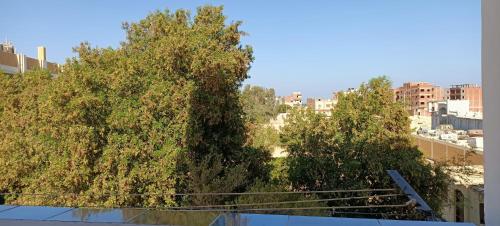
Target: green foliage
{"type": "Point", "coordinates": [272, 201]}
{"type": "Point", "coordinates": [279, 171]}
{"type": "Point", "coordinates": [283, 108]}
{"type": "Point", "coordinates": [367, 134]}
{"type": "Point", "coordinates": [265, 137]}
{"type": "Point", "coordinates": [259, 104]}
{"type": "Point", "coordinates": [161, 114]}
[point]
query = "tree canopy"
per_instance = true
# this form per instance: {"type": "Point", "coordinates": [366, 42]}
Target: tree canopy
{"type": "Point", "coordinates": [259, 103]}
{"type": "Point", "coordinates": [164, 114]}
{"type": "Point", "coordinates": [142, 118]}
{"type": "Point", "coordinates": [367, 134]}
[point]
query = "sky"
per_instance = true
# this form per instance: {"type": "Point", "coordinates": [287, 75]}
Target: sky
{"type": "Point", "coordinates": [316, 47]}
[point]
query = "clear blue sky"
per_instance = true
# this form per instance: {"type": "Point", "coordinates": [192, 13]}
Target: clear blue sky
{"type": "Point", "coordinates": [312, 46]}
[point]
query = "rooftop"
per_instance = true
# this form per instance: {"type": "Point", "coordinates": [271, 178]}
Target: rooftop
{"type": "Point", "coordinates": [62, 216]}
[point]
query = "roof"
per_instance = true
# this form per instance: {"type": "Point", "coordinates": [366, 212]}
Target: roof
{"type": "Point", "coordinates": [63, 216]}
{"type": "Point", "coordinates": [472, 175]}
{"type": "Point", "coordinates": [288, 220]}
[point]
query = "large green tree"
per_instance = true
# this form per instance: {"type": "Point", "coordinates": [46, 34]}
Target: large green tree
{"type": "Point", "coordinates": [367, 134]}
{"type": "Point", "coordinates": [259, 103]}
{"type": "Point", "coordinates": [160, 114]}
{"type": "Point", "coordinates": [259, 106]}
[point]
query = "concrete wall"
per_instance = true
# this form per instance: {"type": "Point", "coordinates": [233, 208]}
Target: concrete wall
{"type": "Point", "coordinates": [442, 151]}
{"type": "Point", "coordinates": [491, 99]}
{"type": "Point", "coordinates": [465, 123]}
{"type": "Point", "coordinates": [419, 121]}
{"type": "Point", "coordinates": [32, 64]}
{"type": "Point", "coordinates": [8, 59]}
{"type": "Point", "coordinates": [459, 107]}
{"type": "Point", "coordinates": [53, 68]}
{"type": "Point", "coordinates": [458, 123]}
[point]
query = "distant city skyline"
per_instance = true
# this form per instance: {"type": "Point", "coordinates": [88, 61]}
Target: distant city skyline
{"type": "Point", "coordinates": [316, 48]}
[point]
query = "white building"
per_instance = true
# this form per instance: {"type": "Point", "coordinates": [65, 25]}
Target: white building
{"type": "Point", "coordinates": [320, 105]}
{"type": "Point", "coordinates": [455, 113]}
{"type": "Point", "coordinates": [449, 106]}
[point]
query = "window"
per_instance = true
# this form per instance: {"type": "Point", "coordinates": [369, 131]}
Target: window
{"type": "Point", "coordinates": [459, 206]}
{"type": "Point", "coordinates": [481, 213]}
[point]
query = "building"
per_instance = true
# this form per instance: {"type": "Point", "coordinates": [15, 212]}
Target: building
{"type": "Point", "coordinates": [465, 195]}
{"type": "Point", "coordinates": [335, 95]}
{"type": "Point", "coordinates": [417, 95]}
{"type": "Point", "coordinates": [455, 113]}
{"type": "Point", "coordinates": [294, 100]}
{"type": "Point", "coordinates": [320, 105]}
{"type": "Point", "coordinates": [471, 92]}
{"type": "Point", "coordinates": [310, 103]}
{"type": "Point", "coordinates": [420, 122]}
{"type": "Point", "coordinates": [444, 151]}
{"type": "Point", "coordinates": [12, 62]}
{"type": "Point", "coordinates": [458, 107]}
{"type": "Point", "coordinates": [324, 105]}
{"type": "Point", "coordinates": [465, 202]}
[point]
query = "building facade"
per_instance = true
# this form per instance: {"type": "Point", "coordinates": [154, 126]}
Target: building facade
{"type": "Point", "coordinates": [294, 100]}
{"type": "Point", "coordinates": [455, 113]}
{"type": "Point", "coordinates": [320, 105]}
{"type": "Point", "coordinates": [417, 95]}
{"type": "Point", "coordinates": [471, 92]}
{"type": "Point", "coordinates": [465, 201]}
{"type": "Point", "coordinates": [13, 63]}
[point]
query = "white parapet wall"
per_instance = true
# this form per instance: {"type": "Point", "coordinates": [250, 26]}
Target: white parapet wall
{"type": "Point", "coordinates": [491, 101]}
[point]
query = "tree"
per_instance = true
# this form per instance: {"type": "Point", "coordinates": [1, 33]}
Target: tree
{"type": "Point", "coordinates": [290, 200]}
{"type": "Point", "coordinates": [265, 137]}
{"type": "Point", "coordinates": [157, 115]}
{"type": "Point", "coordinates": [259, 104]}
{"type": "Point", "coordinates": [283, 108]}
{"type": "Point", "coordinates": [367, 134]}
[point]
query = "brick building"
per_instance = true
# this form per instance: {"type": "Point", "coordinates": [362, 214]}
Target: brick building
{"type": "Point", "coordinates": [471, 92]}
{"type": "Point", "coordinates": [294, 100]}
{"type": "Point", "coordinates": [417, 95]}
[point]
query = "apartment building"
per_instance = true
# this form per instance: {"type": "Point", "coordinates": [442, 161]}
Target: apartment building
{"type": "Point", "coordinates": [321, 105]}
{"type": "Point", "coordinates": [294, 100]}
{"type": "Point", "coordinates": [471, 92]}
{"type": "Point", "coordinates": [417, 95]}
{"type": "Point", "coordinates": [12, 62]}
